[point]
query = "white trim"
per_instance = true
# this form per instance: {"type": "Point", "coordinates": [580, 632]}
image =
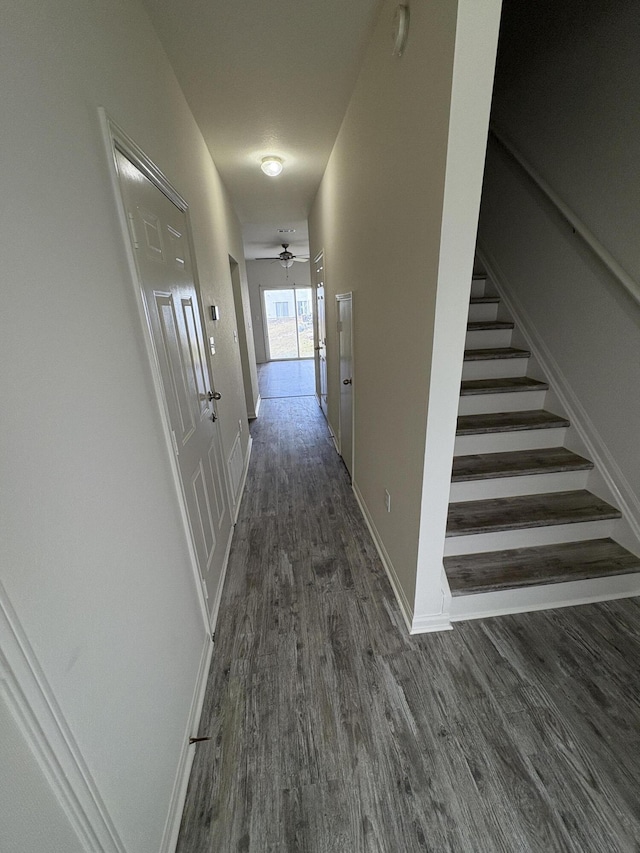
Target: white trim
{"type": "Point", "coordinates": [344, 297]}
{"type": "Point", "coordinates": [396, 586]}
{"type": "Point", "coordinates": [116, 139]}
{"type": "Point", "coordinates": [623, 494]}
{"type": "Point", "coordinates": [528, 599]}
{"type": "Point", "coordinates": [180, 785]}
{"type": "Point", "coordinates": [243, 479]}
{"type": "Point", "coordinates": [604, 256]}
{"type": "Point", "coordinates": [257, 409]}
{"type": "Point", "coordinates": [37, 713]}
{"type": "Point", "coordinates": [431, 624]}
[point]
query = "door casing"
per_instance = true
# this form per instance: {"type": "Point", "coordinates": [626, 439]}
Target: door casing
{"type": "Point", "coordinates": [346, 408]}
{"type": "Point", "coordinates": [320, 324]}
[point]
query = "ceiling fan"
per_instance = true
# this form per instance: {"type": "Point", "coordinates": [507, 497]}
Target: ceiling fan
{"type": "Point", "coordinates": [286, 257]}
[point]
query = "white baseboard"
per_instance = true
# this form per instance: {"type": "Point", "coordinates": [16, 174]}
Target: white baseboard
{"type": "Point", "coordinates": [547, 597]}
{"type": "Point", "coordinates": [403, 602]}
{"type": "Point", "coordinates": [431, 624]}
{"type": "Point", "coordinates": [179, 794]}
{"type": "Point", "coordinates": [612, 475]}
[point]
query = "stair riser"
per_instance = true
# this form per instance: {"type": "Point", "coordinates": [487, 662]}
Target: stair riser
{"type": "Point", "coordinates": [483, 312]}
{"type": "Point", "coordinates": [478, 286]}
{"type": "Point", "coordinates": [521, 600]}
{"type": "Point", "coordinates": [485, 338]}
{"type": "Point", "coordinates": [502, 442]}
{"type": "Point", "coordinates": [515, 401]}
{"type": "Point", "coordinates": [528, 537]}
{"type": "Point", "coordinates": [530, 484]}
{"type": "Point", "coordinates": [495, 368]}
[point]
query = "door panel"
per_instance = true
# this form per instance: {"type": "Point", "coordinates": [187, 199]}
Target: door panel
{"type": "Point", "coordinates": [199, 380]}
{"type": "Point", "coordinates": [161, 247]}
{"type": "Point", "coordinates": [176, 388]}
{"type": "Point", "coordinates": [205, 529]}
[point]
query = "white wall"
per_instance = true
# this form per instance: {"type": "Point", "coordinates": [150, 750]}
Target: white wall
{"type": "Point", "coordinates": [379, 216]}
{"type": "Point", "coordinates": [93, 553]}
{"type": "Point", "coordinates": [267, 274]}
{"type": "Point", "coordinates": [573, 115]}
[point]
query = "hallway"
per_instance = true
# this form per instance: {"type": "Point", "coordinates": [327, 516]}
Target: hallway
{"type": "Point", "coordinates": [333, 730]}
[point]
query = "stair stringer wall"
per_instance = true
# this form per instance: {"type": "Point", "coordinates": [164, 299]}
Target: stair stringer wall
{"type": "Point", "coordinates": [607, 480]}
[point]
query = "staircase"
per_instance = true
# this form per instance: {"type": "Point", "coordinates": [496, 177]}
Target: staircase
{"type": "Point", "coordinates": [524, 531]}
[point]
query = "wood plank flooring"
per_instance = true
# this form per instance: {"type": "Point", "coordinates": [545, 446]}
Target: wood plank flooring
{"type": "Point", "coordinates": [520, 567]}
{"type": "Point", "coordinates": [517, 463]}
{"type": "Point", "coordinates": [487, 516]}
{"type": "Point", "coordinates": [333, 731]}
{"type": "Point", "coordinates": [295, 378]}
{"type": "Point", "coordinates": [491, 422]}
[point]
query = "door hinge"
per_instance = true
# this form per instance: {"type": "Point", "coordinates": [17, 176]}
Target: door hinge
{"type": "Point", "coordinates": [339, 325]}
{"type": "Point", "coordinates": [175, 443]}
{"type": "Point", "coordinates": [132, 226]}
{"type": "Point", "coordinates": [213, 637]}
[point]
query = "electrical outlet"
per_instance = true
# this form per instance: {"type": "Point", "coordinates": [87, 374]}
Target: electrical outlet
{"type": "Point", "coordinates": [387, 500]}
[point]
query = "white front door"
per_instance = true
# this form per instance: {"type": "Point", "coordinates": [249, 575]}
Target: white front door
{"type": "Point", "coordinates": [345, 351]}
{"type": "Point", "coordinates": [159, 236]}
{"type": "Point", "coordinates": [321, 344]}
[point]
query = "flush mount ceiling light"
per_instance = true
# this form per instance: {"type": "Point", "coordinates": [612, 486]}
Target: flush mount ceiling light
{"type": "Point", "coordinates": [271, 166]}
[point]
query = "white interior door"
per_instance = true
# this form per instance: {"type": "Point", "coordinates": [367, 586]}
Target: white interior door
{"type": "Point", "coordinates": [158, 230]}
{"type": "Point", "coordinates": [345, 349]}
{"type": "Point", "coordinates": [321, 344]}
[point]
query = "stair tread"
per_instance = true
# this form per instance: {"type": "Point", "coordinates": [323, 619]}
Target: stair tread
{"type": "Point", "coordinates": [484, 300]}
{"type": "Point", "coordinates": [488, 353]}
{"type": "Point", "coordinates": [482, 325]}
{"type": "Point", "coordinates": [492, 422]}
{"type": "Point", "coordinates": [503, 385]}
{"type": "Point", "coordinates": [517, 463]}
{"type": "Point", "coordinates": [514, 513]}
{"type": "Point", "coordinates": [522, 567]}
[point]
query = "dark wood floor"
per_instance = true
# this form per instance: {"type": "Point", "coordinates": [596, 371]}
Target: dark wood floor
{"type": "Point", "coordinates": [333, 731]}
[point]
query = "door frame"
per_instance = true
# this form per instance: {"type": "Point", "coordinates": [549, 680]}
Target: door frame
{"type": "Point", "coordinates": [316, 336]}
{"type": "Point", "coordinates": [116, 139]}
{"type": "Point", "coordinates": [265, 321]}
{"type": "Point", "coordinates": [343, 297]}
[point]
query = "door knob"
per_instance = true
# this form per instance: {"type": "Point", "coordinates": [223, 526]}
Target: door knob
{"type": "Point", "coordinates": [214, 396]}
{"type": "Point", "coordinates": [347, 381]}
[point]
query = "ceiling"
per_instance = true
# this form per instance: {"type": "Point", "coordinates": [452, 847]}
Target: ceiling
{"type": "Point", "coordinates": [267, 78]}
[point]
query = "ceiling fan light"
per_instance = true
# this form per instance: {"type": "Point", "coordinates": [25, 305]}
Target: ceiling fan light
{"type": "Point", "coordinates": [271, 166]}
{"type": "Point", "coordinates": [288, 263]}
